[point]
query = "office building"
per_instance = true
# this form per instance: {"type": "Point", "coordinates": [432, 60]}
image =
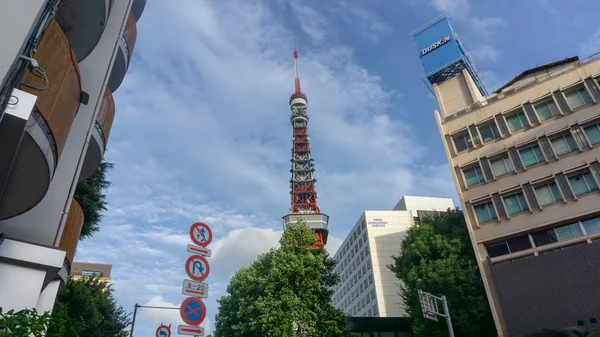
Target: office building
{"type": "Point", "coordinates": [367, 287]}
{"type": "Point", "coordinates": [60, 63]}
{"type": "Point", "coordinates": [525, 161]}
{"type": "Point", "coordinates": [80, 270]}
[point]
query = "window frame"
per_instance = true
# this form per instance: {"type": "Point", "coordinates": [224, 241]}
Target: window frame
{"type": "Point", "coordinates": [531, 146]}
{"type": "Point", "coordinates": [520, 198]}
{"type": "Point", "coordinates": [493, 127]}
{"type": "Point", "coordinates": [583, 174]}
{"type": "Point", "coordinates": [466, 137]}
{"type": "Point", "coordinates": [493, 217]}
{"type": "Point", "coordinates": [577, 89]}
{"type": "Point", "coordinates": [590, 125]}
{"type": "Point", "coordinates": [548, 185]}
{"type": "Point", "coordinates": [504, 157]}
{"type": "Point", "coordinates": [564, 136]}
{"type": "Point", "coordinates": [546, 103]}
{"type": "Point", "coordinates": [473, 167]}
{"type": "Point", "coordinates": [517, 113]}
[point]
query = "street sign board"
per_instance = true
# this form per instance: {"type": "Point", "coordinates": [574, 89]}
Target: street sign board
{"type": "Point", "coordinates": [192, 311]}
{"type": "Point", "coordinates": [198, 250]}
{"type": "Point", "coordinates": [194, 288]}
{"type": "Point", "coordinates": [190, 330]}
{"type": "Point", "coordinates": [163, 331]}
{"type": "Point", "coordinates": [201, 234]}
{"type": "Point", "coordinates": [429, 306]}
{"type": "Point", "coordinates": [197, 268]}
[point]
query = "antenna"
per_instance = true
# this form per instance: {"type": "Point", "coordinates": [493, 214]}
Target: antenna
{"type": "Point", "coordinates": [296, 69]}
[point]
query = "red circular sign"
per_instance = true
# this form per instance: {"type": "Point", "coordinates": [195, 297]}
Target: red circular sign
{"type": "Point", "coordinates": [201, 234]}
{"type": "Point", "coordinates": [197, 268]}
{"type": "Point", "coordinates": [163, 331]}
{"type": "Point", "coordinates": [192, 311]}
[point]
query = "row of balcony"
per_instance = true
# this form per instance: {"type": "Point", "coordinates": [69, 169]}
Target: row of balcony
{"type": "Point", "coordinates": [68, 39]}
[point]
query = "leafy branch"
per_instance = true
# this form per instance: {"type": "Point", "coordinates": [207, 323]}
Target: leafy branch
{"type": "Point", "coordinates": [23, 323]}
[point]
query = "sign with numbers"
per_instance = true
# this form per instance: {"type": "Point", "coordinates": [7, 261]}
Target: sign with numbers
{"type": "Point", "coordinates": [194, 288]}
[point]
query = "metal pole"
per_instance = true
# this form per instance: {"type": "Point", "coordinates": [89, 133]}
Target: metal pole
{"type": "Point", "coordinates": [447, 315]}
{"type": "Point", "coordinates": [135, 306]}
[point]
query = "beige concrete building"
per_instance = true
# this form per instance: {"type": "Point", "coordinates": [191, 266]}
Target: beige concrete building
{"type": "Point", "coordinates": [525, 160]}
{"type": "Point", "coordinates": [80, 270]}
{"type": "Point", "coordinates": [367, 288]}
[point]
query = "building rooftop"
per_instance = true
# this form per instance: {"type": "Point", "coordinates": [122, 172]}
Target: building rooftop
{"type": "Point", "coordinates": [537, 69]}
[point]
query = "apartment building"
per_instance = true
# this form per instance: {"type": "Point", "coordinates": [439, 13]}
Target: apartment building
{"type": "Point", "coordinates": [525, 161]}
{"type": "Point", "coordinates": [367, 287]}
{"type": "Point", "coordinates": [60, 63]}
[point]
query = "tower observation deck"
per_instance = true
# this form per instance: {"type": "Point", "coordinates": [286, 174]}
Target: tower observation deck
{"type": "Point", "coordinates": [303, 192]}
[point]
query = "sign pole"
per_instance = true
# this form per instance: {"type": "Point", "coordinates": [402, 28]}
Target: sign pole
{"type": "Point", "coordinates": [135, 306]}
{"type": "Point", "coordinates": [447, 314]}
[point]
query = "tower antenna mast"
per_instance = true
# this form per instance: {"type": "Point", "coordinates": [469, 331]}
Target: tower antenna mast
{"type": "Point", "coordinates": [296, 69]}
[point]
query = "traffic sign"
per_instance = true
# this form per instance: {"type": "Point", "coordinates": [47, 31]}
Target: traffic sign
{"type": "Point", "coordinates": [197, 268]}
{"type": "Point", "coordinates": [196, 289]}
{"type": "Point", "coordinates": [190, 330]}
{"type": "Point", "coordinates": [192, 311]}
{"type": "Point", "coordinates": [198, 250]}
{"type": "Point", "coordinates": [163, 331]}
{"type": "Point", "coordinates": [201, 234]}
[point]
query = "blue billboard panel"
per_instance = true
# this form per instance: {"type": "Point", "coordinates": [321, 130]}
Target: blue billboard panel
{"type": "Point", "coordinates": [438, 46]}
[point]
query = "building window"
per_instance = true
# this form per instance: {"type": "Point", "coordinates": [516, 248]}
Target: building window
{"type": "Point", "coordinates": [370, 278]}
{"type": "Point", "coordinates": [563, 145]}
{"type": "Point", "coordinates": [365, 237]}
{"type": "Point", "coordinates": [91, 273]}
{"type": "Point", "coordinates": [546, 110]}
{"type": "Point", "coordinates": [462, 141]}
{"type": "Point", "coordinates": [515, 203]}
{"type": "Point", "coordinates": [370, 312]}
{"type": "Point", "coordinates": [502, 166]}
{"type": "Point", "coordinates": [531, 155]}
{"type": "Point", "coordinates": [519, 243]}
{"type": "Point", "coordinates": [473, 175]}
{"type": "Point", "coordinates": [489, 132]}
{"type": "Point", "coordinates": [582, 183]}
{"type": "Point", "coordinates": [369, 264]}
{"type": "Point", "coordinates": [544, 237]}
{"type": "Point", "coordinates": [568, 232]}
{"type": "Point", "coordinates": [548, 194]}
{"type": "Point", "coordinates": [578, 98]}
{"type": "Point", "coordinates": [593, 133]}
{"type": "Point", "coordinates": [365, 283]}
{"type": "Point", "coordinates": [591, 226]}
{"type": "Point", "coordinates": [517, 121]}
{"type": "Point", "coordinates": [485, 212]}
{"type": "Point", "coordinates": [498, 249]}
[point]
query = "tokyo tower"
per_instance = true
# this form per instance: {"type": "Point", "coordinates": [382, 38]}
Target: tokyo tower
{"type": "Point", "coordinates": [303, 193]}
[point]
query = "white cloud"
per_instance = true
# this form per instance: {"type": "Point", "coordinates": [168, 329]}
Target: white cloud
{"type": "Point", "coordinates": [202, 133]}
{"type": "Point", "coordinates": [484, 53]}
{"type": "Point", "coordinates": [312, 23]}
{"type": "Point", "coordinates": [456, 8]}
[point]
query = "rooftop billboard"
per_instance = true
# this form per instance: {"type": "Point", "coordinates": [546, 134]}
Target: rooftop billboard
{"type": "Point", "coordinates": [438, 45]}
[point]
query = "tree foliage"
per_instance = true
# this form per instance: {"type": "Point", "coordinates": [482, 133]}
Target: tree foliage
{"type": "Point", "coordinates": [437, 257]}
{"type": "Point", "coordinates": [87, 308]}
{"type": "Point", "coordinates": [90, 196]}
{"type": "Point", "coordinates": [23, 323]}
{"type": "Point", "coordinates": [285, 292]}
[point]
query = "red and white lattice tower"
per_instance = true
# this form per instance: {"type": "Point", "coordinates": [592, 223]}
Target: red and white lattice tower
{"type": "Point", "coordinates": [304, 196]}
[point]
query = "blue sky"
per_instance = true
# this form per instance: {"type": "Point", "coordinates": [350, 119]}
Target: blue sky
{"type": "Point", "coordinates": [202, 127]}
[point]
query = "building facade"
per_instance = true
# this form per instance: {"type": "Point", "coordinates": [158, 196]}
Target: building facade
{"type": "Point", "coordinates": [60, 63]}
{"type": "Point", "coordinates": [367, 288]}
{"type": "Point", "coordinates": [80, 270]}
{"type": "Point", "coordinates": [525, 161]}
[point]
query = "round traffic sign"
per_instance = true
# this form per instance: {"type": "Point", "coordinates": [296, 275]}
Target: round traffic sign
{"type": "Point", "coordinates": [201, 234]}
{"type": "Point", "coordinates": [192, 311]}
{"type": "Point", "coordinates": [163, 331]}
{"type": "Point", "coordinates": [197, 268]}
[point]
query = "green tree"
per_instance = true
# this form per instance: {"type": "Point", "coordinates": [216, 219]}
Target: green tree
{"type": "Point", "coordinates": [90, 196]}
{"type": "Point", "coordinates": [87, 308]}
{"type": "Point", "coordinates": [285, 292]}
{"type": "Point", "coordinates": [437, 257]}
{"type": "Point", "coordinates": [23, 323]}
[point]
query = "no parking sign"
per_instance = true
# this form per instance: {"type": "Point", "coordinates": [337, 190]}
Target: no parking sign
{"type": "Point", "coordinates": [193, 310]}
